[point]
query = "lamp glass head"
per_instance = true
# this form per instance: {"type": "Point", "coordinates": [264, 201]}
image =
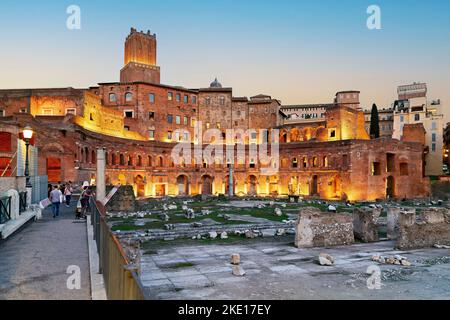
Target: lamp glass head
{"type": "Point", "coordinates": [28, 133]}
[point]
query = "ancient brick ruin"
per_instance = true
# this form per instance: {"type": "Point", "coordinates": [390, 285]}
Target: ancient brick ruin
{"type": "Point", "coordinates": [432, 229]}
{"type": "Point", "coordinates": [318, 229]}
{"type": "Point", "coordinates": [365, 224]}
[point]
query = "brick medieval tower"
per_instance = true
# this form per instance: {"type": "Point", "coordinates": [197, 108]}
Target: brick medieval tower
{"type": "Point", "coordinates": [140, 58]}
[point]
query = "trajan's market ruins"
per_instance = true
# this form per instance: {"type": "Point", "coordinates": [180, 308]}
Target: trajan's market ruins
{"type": "Point", "coordinates": [139, 121]}
{"type": "Point", "coordinates": [194, 193]}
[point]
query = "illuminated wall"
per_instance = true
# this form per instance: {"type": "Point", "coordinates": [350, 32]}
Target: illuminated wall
{"type": "Point", "coordinates": [103, 120]}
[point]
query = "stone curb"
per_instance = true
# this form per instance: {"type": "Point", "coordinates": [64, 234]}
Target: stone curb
{"type": "Point", "coordinates": [98, 291]}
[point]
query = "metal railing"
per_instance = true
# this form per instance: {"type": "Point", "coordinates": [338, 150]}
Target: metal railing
{"type": "Point", "coordinates": [121, 278]}
{"type": "Point", "coordinates": [22, 201]}
{"type": "Point", "coordinates": [5, 209]}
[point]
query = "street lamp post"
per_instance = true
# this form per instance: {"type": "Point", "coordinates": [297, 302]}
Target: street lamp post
{"type": "Point", "coordinates": [27, 135]}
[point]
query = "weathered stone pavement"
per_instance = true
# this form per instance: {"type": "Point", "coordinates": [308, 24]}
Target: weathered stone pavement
{"type": "Point", "coordinates": [277, 270]}
{"type": "Point", "coordinates": [34, 261]}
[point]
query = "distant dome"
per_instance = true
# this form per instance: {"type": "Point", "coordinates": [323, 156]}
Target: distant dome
{"type": "Point", "coordinates": [215, 84]}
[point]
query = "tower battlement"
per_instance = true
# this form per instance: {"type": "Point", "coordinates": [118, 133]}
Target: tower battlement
{"type": "Point", "coordinates": [140, 58]}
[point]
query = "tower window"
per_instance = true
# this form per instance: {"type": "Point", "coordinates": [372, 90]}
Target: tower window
{"type": "Point", "coordinates": [151, 115]}
{"type": "Point", "coordinates": [128, 97]}
{"type": "Point", "coordinates": [376, 168]}
{"type": "Point", "coordinates": [129, 114]}
{"type": "Point", "coordinates": [333, 134]}
{"type": "Point", "coordinates": [112, 97]}
{"type": "Point", "coordinates": [151, 97]}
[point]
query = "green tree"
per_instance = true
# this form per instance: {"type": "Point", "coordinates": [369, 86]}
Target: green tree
{"type": "Point", "coordinates": [374, 123]}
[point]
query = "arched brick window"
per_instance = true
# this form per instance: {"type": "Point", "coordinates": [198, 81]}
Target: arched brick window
{"type": "Point", "coordinates": [150, 161]}
{"type": "Point", "coordinates": [160, 161]}
{"type": "Point", "coordinates": [139, 161]}
{"type": "Point", "coordinates": [128, 97]}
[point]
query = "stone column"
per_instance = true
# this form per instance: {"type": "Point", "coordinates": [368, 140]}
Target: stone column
{"type": "Point", "coordinates": [231, 183]}
{"type": "Point", "coordinates": [29, 196]}
{"type": "Point", "coordinates": [101, 166]}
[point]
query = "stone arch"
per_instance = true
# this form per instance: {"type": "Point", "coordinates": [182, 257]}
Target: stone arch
{"type": "Point", "coordinates": [252, 185]}
{"type": "Point", "coordinates": [284, 136]}
{"type": "Point", "coordinates": [314, 185]}
{"type": "Point", "coordinates": [140, 186]}
{"type": "Point", "coordinates": [321, 134]}
{"type": "Point", "coordinates": [207, 185]}
{"type": "Point", "coordinates": [183, 185]}
{"type": "Point", "coordinates": [307, 134]}
{"type": "Point", "coordinates": [295, 135]}
{"type": "Point", "coordinates": [122, 179]}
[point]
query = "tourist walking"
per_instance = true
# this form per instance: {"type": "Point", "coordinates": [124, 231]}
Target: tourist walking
{"type": "Point", "coordinates": [68, 190]}
{"type": "Point", "coordinates": [55, 199]}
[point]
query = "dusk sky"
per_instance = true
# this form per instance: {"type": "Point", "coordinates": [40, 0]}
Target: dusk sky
{"type": "Point", "coordinates": [296, 51]}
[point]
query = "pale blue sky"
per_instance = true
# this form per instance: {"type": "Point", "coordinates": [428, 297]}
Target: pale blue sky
{"type": "Point", "coordinates": [296, 51]}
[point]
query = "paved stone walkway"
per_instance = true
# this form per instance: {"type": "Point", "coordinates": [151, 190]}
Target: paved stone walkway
{"type": "Point", "coordinates": [275, 269]}
{"type": "Point", "coordinates": [34, 261]}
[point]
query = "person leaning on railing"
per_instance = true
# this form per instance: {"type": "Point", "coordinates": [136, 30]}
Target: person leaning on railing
{"type": "Point", "coordinates": [85, 197]}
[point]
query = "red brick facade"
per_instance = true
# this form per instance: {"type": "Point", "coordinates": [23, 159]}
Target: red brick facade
{"type": "Point", "coordinates": [332, 159]}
